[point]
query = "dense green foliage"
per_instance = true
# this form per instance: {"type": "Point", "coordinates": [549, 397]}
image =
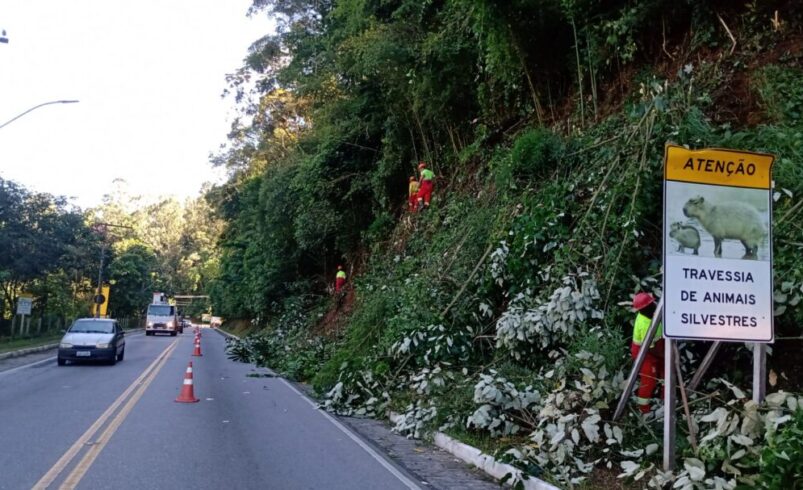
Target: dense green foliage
{"type": "Point", "coordinates": [51, 251]}
{"type": "Point", "coordinates": [166, 246]}
{"type": "Point", "coordinates": [782, 459]}
{"type": "Point", "coordinates": [47, 251]}
{"type": "Point", "coordinates": [503, 309]}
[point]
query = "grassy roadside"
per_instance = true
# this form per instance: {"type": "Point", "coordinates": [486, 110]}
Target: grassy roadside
{"type": "Point", "coordinates": [240, 328]}
{"type": "Point", "coordinates": [8, 345]}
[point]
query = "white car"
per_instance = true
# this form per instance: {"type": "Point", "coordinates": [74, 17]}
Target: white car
{"type": "Point", "coordinates": [92, 339]}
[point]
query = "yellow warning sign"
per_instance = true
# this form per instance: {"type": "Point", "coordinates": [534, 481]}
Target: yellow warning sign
{"type": "Point", "coordinates": [719, 167]}
{"type": "Point", "coordinates": [105, 305]}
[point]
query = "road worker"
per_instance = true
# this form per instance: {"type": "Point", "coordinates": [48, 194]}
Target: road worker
{"type": "Point", "coordinates": [425, 185]}
{"type": "Point", "coordinates": [340, 278]}
{"type": "Point", "coordinates": [412, 193]}
{"type": "Point", "coordinates": [652, 369]}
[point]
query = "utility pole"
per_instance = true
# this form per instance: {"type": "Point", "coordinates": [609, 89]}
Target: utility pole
{"type": "Point", "coordinates": [99, 300]}
{"type": "Point", "coordinates": [102, 228]}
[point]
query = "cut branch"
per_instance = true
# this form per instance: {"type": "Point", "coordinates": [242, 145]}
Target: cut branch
{"type": "Point", "coordinates": [470, 277]}
{"type": "Point", "coordinates": [730, 34]}
{"type": "Point", "coordinates": [663, 33]}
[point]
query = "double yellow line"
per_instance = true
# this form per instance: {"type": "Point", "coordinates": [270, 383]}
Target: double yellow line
{"type": "Point", "coordinates": [127, 400]}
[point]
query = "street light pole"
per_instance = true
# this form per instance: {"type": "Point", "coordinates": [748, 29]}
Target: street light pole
{"type": "Point", "coordinates": [36, 107]}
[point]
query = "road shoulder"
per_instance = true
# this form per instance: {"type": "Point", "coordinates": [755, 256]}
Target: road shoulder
{"type": "Point", "coordinates": [430, 465]}
{"type": "Point", "coordinates": [435, 467]}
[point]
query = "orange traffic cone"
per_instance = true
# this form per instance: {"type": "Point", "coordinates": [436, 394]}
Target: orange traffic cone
{"type": "Point", "coordinates": [187, 394]}
{"type": "Point", "coordinates": [197, 351]}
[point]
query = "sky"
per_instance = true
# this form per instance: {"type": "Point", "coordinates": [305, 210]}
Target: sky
{"type": "Point", "coordinates": [148, 75]}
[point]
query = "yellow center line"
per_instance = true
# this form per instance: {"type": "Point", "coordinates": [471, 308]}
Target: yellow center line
{"type": "Point", "coordinates": [86, 462]}
{"type": "Point", "coordinates": [79, 444]}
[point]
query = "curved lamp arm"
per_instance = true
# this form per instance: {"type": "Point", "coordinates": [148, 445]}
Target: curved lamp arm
{"type": "Point", "coordinates": [36, 107]}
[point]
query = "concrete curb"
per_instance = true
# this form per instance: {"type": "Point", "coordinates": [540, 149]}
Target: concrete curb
{"type": "Point", "coordinates": [29, 350]}
{"type": "Point", "coordinates": [487, 463]}
{"type": "Point", "coordinates": [41, 348]}
{"type": "Point", "coordinates": [226, 334]}
{"type": "Point", "coordinates": [469, 454]}
{"type": "Point", "coordinates": [484, 462]}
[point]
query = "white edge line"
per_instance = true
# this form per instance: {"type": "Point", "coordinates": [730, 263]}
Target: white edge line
{"type": "Point", "coordinates": [368, 449]}
{"type": "Point", "coordinates": [354, 437]}
{"type": "Point", "coordinates": [26, 366]}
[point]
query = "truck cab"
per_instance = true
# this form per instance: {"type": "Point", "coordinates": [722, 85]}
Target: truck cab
{"type": "Point", "coordinates": [162, 317]}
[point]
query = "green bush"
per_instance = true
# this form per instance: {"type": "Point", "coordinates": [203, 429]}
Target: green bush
{"type": "Point", "coordinates": [782, 458]}
{"type": "Point", "coordinates": [380, 228]}
{"type": "Point", "coordinates": [536, 152]}
{"type": "Point", "coordinates": [781, 93]}
{"type": "Point", "coordinates": [533, 154]}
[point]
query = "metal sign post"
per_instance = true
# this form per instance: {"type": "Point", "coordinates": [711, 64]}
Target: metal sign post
{"type": "Point", "coordinates": [759, 372]}
{"type": "Point", "coordinates": [670, 402]}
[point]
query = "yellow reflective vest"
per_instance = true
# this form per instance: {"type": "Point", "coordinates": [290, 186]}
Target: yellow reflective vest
{"type": "Point", "coordinates": [640, 330]}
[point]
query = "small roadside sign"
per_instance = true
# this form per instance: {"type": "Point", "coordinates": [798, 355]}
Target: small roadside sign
{"type": "Point", "coordinates": [24, 305]}
{"type": "Point", "coordinates": [718, 245]}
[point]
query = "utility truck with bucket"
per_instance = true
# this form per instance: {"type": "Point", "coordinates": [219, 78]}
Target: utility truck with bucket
{"type": "Point", "coordinates": [162, 317]}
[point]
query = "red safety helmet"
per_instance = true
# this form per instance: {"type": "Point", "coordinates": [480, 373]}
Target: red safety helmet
{"type": "Point", "coordinates": [421, 165]}
{"type": "Point", "coordinates": [642, 300]}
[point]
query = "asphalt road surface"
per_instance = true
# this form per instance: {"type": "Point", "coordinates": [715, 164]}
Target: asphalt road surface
{"type": "Point", "coordinates": [104, 427]}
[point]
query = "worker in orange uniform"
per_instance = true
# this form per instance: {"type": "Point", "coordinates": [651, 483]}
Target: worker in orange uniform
{"type": "Point", "coordinates": [340, 279]}
{"type": "Point", "coordinates": [412, 193]}
{"type": "Point", "coordinates": [425, 185]}
{"type": "Point", "coordinates": [653, 367]}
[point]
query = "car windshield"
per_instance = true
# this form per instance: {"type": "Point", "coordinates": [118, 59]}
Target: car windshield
{"type": "Point", "coordinates": [160, 310]}
{"type": "Point", "coordinates": [92, 326]}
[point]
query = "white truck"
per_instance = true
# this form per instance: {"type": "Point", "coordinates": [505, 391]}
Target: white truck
{"type": "Point", "coordinates": [162, 317]}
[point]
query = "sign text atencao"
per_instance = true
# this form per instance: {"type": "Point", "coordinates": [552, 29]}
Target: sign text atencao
{"type": "Point", "coordinates": [718, 245]}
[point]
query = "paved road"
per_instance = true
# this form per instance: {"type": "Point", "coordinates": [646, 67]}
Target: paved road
{"type": "Point", "coordinates": [100, 427]}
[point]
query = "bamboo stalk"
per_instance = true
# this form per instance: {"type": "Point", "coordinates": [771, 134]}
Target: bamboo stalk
{"type": "Point", "coordinates": [592, 78]}
{"type": "Point", "coordinates": [579, 75]}
{"type": "Point", "coordinates": [470, 277]}
{"type": "Point", "coordinates": [663, 34]}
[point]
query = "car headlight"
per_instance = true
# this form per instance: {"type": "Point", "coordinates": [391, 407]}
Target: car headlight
{"type": "Point", "coordinates": [103, 345]}
{"type": "Point", "coordinates": [169, 324]}
{"type": "Point", "coordinates": [150, 324]}
{"type": "Point", "coordinates": [65, 345]}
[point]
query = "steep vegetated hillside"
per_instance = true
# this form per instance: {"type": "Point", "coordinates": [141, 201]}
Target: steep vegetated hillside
{"type": "Point", "coordinates": [501, 314]}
